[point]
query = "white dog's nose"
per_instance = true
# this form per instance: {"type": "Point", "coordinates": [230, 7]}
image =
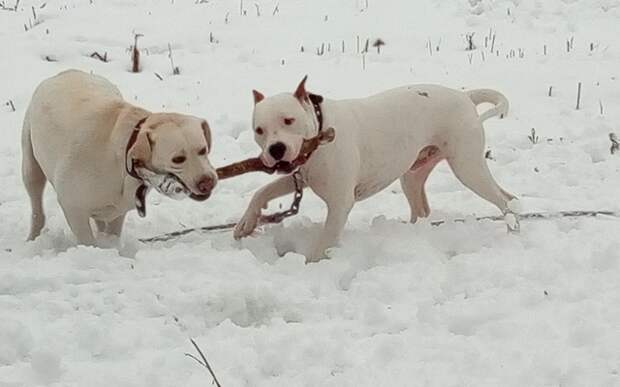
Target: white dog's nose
{"type": "Point", "coordinates": [277, 150]}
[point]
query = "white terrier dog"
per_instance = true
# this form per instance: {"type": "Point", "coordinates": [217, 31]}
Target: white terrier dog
{"type": "Point", "coordinates": [398, 134]}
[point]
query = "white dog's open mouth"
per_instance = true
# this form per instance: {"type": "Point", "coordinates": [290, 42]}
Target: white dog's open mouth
{"type": "Point", "coordinates": [281, 166]}
{"type": "Point", "coordinates": [286, 167]}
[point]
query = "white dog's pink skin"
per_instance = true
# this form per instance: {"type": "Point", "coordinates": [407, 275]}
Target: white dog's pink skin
{"type": "Point", "coordinates": [401, 133]}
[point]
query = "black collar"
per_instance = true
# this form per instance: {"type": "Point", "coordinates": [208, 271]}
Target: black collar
{"type": "Point", "coordinates": [142, 189]}
{"type": "Point", "coordinates": [316, 100]}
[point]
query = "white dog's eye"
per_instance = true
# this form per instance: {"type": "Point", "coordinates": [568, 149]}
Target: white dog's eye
{"type": "Point", "coordinates": [178, 159]}
{"type": "Point", "coordinates": [289, 121]}
{"type": "Point", "coordinates": [202, 151]}
{"type": "Point", "coordinates": [259, 130]}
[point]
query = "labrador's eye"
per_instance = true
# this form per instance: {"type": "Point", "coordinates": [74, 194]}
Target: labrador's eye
{"type": "Point", "coordinates": [179, 159]}
{"type": "Point", "coordinates": [259, 130]}
{"type": "Point", "coordinates": [203, 151]}
{"type": "Point", "coordinates": [289, 121]}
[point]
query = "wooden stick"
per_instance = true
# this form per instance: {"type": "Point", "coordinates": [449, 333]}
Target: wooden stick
{"type": "Point", "coordinates": [255, 164]}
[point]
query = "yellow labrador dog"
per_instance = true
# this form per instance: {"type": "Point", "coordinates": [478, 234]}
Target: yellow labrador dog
{"type": "Point", "coordinates": [95, 149]}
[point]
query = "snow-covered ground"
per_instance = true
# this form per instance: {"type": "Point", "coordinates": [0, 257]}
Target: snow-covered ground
{"type": "Point", "coordinates": [398, 304]}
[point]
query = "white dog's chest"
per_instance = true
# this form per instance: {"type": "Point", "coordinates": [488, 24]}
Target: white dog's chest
{"type": "Point", "coordinates": [370, 186]}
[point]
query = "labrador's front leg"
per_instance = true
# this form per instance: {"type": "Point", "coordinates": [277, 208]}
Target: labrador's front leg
{"type": "Point", "coordinates": [261, 199]}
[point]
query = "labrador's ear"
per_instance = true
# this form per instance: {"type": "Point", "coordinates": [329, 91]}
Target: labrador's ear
{"type": "Point", "coordinates": [300, 92]}
{"type": "Point", "coordinates": [140, 152]}
{"type": "Point", "coordinates": [207, 133]}
{"type": "Point", "coordinates": [258, 96]}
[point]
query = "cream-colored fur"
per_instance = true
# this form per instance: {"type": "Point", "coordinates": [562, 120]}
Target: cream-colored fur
{"type": "Point", "coordinates": [75, 134]}
{"type": "Point", "coordinates": [398, 134]}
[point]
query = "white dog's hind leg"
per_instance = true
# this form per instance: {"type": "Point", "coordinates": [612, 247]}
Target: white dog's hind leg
{"type": "Point", "coordinates": [34, 180]}
{"type": "Point", "coordinates": [261, 198]}
{"type": "Point", "coordinates": [471, 169]}
{"type": "Point", "coordinates": [337, 214]}
{"type": "Point", "coordinates": [412, 182]}
{"type": "Point", "coordinates": [413, 188]}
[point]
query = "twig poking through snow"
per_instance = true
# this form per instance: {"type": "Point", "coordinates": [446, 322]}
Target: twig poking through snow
{"type": "Point", "coordinates": [10, 105]}
{"type": "Point", "coordinates": [135, 54]}
{"type": "Point", "coordinates": [204, 362]}
{"type": "Point", "coordinates": [469, 38]}
{"type": "Point", "coordinates": [175, 69]}
{"type": "Point", "coordinates": [615, 144]}
{"type": "Point", "coordinates": [103, 58]}
{"type": "Point", "coordinates": [377, 44]}
{"type": "Point", "coordinates": [578, 95]}
{"type": "Point", "coordinates": [533, 137]}
{"type": "Point", "coordinates": [5, 8]}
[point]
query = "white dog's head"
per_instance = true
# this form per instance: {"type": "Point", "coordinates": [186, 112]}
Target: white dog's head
{"type": "Point", "coordinates": [282, 122]}
{"type": "Point", "coordinates": [177, 144]}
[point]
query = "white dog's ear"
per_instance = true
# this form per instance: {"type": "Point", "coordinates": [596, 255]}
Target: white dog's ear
{"type": "Point", "coordinates": [258, 96]}
{"type": "Point", "coordinates": [141, 149]}
{"type": "Point", "coordinates": [207, 132]}
{"type": "Point", "coordinates": [301, 93]}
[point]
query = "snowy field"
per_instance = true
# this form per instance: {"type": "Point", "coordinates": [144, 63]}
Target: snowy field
{"type": "Point", "coordinates": [398, 304]}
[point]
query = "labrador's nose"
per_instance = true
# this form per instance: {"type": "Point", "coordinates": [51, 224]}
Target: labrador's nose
{"type": "Point", "coordinates": [277, 150]}
{"type": "Point", "coordinates": [205, 184]}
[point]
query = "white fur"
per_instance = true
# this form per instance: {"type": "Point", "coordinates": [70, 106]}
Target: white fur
{"type": "Point", "coordinates": [75, 133]}
{"type": "Point", "coordinates": [378, 140]}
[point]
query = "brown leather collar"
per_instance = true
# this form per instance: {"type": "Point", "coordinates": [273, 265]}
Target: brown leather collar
{"type": "Point", "coordinates": [316, 100]}
{"type": "Point", "coordinates": [142, 189]}
{"type": "Point", "coordinates": [129, 164]}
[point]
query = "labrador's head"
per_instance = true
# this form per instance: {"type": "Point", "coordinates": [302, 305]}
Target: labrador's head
{"type": "Point", "coordinates": [180, 145]}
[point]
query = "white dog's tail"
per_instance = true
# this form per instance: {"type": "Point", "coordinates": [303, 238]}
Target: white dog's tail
{"type": "Point", "coordinates": [479, 96]}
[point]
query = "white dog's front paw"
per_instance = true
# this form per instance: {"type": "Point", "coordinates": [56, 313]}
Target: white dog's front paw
{"type": "Point", "coordinates": [512, 222]}
{"type": "Point", "coordinates": [317, 254]}
{"type": "Point", "coordinates": [247, 224]}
